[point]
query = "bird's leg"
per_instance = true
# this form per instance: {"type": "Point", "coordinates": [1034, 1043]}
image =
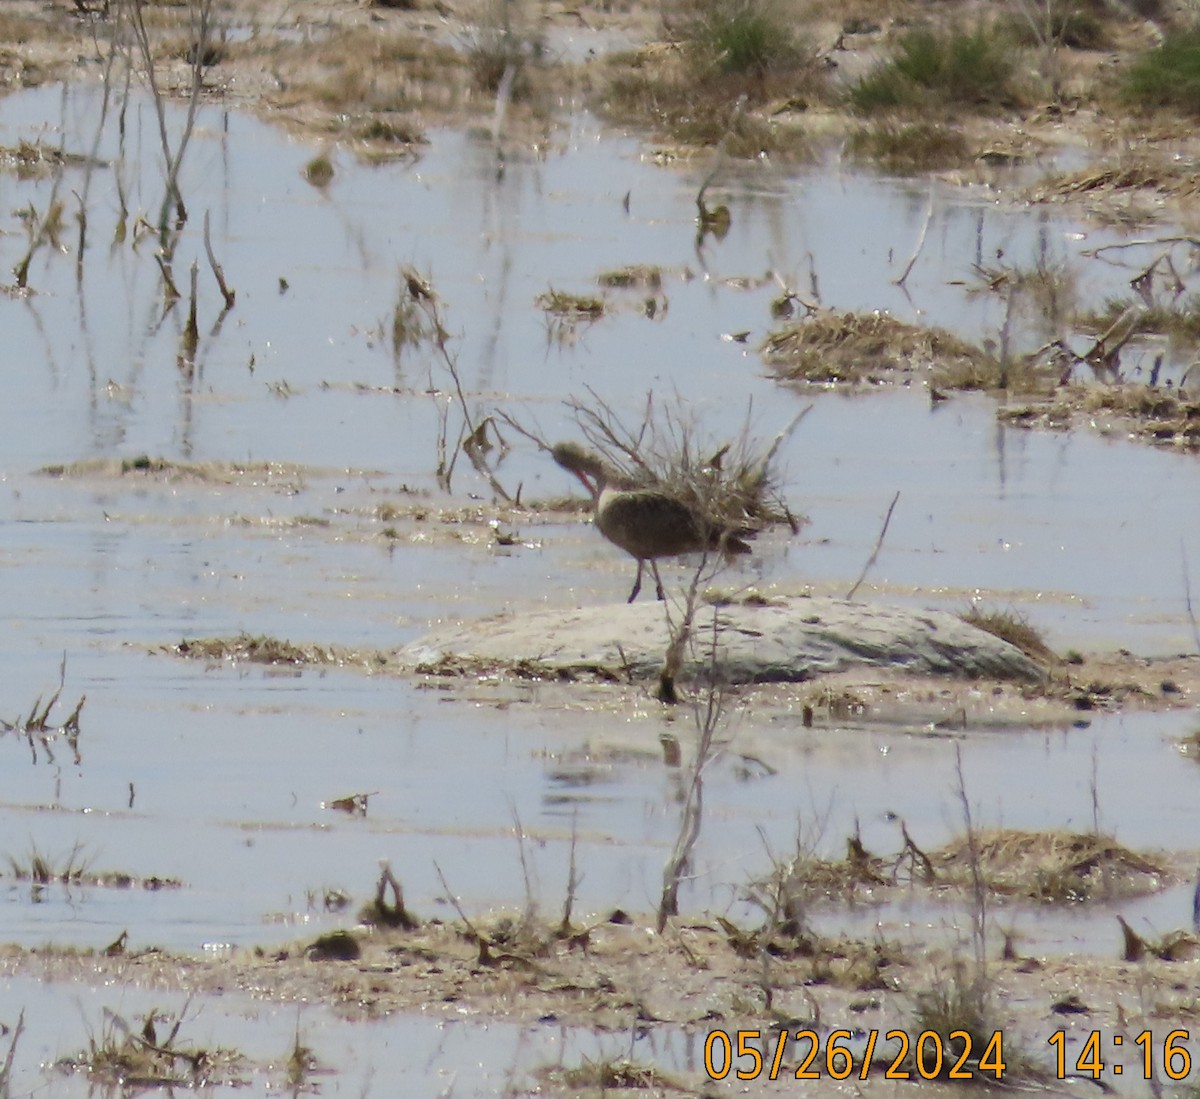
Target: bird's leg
{"type": "Point", "coordinates": [637, 584]}
{"type": "Point", "coordinates": [662, 598]}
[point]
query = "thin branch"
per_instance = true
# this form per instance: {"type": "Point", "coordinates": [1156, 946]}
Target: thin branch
{"type": "Point", "coordinates": [1187, 596]}
{"type": "Point", "coordinates": [1194, 241]}
{"type": "Point", "coordinates": [229, 295]}
{"type": "Point", "coordinates": [878, 546]}
{"type": "Point", "coordinates": [920, 242]}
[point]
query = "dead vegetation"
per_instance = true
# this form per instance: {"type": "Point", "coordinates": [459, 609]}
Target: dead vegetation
{"type": "Point", "coordinates": [1157, 416]}
{"type": "Point", "coordinates": [830, 348]}
{"type": "Point", "coordinates": [659, 85]}
{"type": "Point", "coordinates": [127, 1055]}
{"type": "Point", "coordinates": [1013, 627]}
{"type": "Point", "coordinates": [39, 731]}
{"type": "Point", "coordinates": [1053, 867]}
{"type": "Point", "coordinates": [571, 307]}
{"type": "Point", "coordinates": [262, 649]}
{"type": "Point", "coordinates": [603, 1076]}
{"type": "Point", "coordinates": [909, 148]}
{"type": "Point", "coordinates": [38, 160]}
{"type": "Point", "coordinates": [74, 869]}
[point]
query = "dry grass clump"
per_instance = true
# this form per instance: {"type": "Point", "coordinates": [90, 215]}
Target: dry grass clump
{"type": "Point", "coordinates": [635, 276]}
{"type": "Point", "coordinates": [15, 30]}
{"type": "Point", "coordinates": [257, 650]}
{"type": "Point", "coordinates": [36, 160]}
{"type": "Point", "coordinates": [870, 348]}
{"type": "Point", "coordinates": [1013, 627]}
{"type": "Point", "coordinates": [911, 147]}
{"type": "Point", "coordinates": [660, 85]}
{"type": "Point", "coordinates": [368, 71]}
{"type": "Point", "coordinates": [1068, 24]}
{"type": "Point", "coordinates": [576, 307]}
{"type": "Point", "coordinates": [960, 1008]}
{"type": "Point", "coordinates": [1162, 177]}
{"type": "Point", "coordinates": [263, 649]}
{"type": "Point", "coordinates": [504, 44]}
{"type": "Point", "coordinates": [1159, 416]}
{"type": "Point", "coordinates": [1178, 319]}
{"type": "Point", "coordinates": [122, 1056]}
{"type": "Point", "coordinates": [601, 1077]}
{"type": "Point", "coordinates": [389, 132]}
{"type": "Point", "coordinates": [720, 53]}
{"type": "Point", "coordinates": [74, 868]}
{"type": "Point", "coordinates": [1058, 867]}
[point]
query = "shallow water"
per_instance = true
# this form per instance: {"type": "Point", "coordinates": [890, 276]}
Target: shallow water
{"type": "Point", "coordinates": [431, 1056]}
{"type": "Point", "coordinates": [216, 775]}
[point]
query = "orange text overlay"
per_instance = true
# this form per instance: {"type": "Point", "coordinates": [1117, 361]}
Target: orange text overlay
{"type": "Point", "coordinates": [893, 1054]}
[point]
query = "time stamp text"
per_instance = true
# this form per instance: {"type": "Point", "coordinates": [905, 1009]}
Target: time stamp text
{"type": "Point", "coordinates": [908, 1055]}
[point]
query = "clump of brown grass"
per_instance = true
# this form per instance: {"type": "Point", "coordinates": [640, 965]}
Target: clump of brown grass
{"type": "Point", "coordinates": [576, 307]}
{"type": "Point", "coordinates": [960, 1009]}
{"type": "Point", "coordinates": [1179, 319]}
{"type": "Point", "coordinates": [1158, 416]}
{"type": "Point", "coordinates": [503, 45]}
{"type": "Point", "coordinates": [263, 649]}
{"type": "Point", "coordinates": [1013, 627]}
{"type": "Point", "coordinates": [911, 147]}
{"type": "Point", "coordinates": [659, 88]}
{"type": "Point", "coordinates": [604, 1076]}
{"type": "Point", "coordinates": [1059, 867]}
{"type": "Point", "coordinates": [869, 348]}
{"type": "Point", "coordinates": [121, 1053]}
{"type": "Point", "coordinates": [637, 276]}
{"type": "Point", "coordinates": [360, 71]}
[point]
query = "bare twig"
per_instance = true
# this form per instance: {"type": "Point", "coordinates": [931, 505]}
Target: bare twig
{"type": "Point", "coordinates": [479, 937]}
{"type": "Point", "coordinates": [878, 546]}
{"type": "Point", "coordinates": [564, 928]}
{"type": "Point", "coordinates": [229, 295]}
{"type": "Point", "coordinates": [1140, 243]}
{"type": "Point", "coordinates": [6, 1071]}
{"type": "Point", "coordinates": [709, 713]}
{"type": "Point", "coordinates": [472, 439]}
{"type": "Point", "coordinates": [920, 242]}
{"type": "Point", "coordinates": [1187, 596]}
{"type": "Point", "coordinates": [978, 886]}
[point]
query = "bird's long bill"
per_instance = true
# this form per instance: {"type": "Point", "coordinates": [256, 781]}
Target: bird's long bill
{"type": "Point", "coordinates": [593, 488]}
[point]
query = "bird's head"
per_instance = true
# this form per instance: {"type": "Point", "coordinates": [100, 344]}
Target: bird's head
{"type": "Point", "coordinates": [588, 467]}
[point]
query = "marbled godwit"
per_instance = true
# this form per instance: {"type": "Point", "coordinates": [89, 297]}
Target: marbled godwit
{"type": "Point", "coordinates": [646, 522]}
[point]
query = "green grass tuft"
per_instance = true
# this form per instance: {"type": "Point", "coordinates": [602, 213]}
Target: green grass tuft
{"type": "Point", "coordinates": [933, 68]}
{"type": "Point", "coordinates": [1168, 75]}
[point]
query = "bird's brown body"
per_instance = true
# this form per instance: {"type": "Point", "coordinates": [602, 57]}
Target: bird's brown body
{"type": "Point", "coordinates": [646, 522]}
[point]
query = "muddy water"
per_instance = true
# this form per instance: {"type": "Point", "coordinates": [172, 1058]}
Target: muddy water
{"type": "Point", "coordinates": [216, 775]}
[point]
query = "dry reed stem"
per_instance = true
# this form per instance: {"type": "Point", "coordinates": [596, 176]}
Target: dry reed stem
{"type": "Point", "coordinates": [878, 546]}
